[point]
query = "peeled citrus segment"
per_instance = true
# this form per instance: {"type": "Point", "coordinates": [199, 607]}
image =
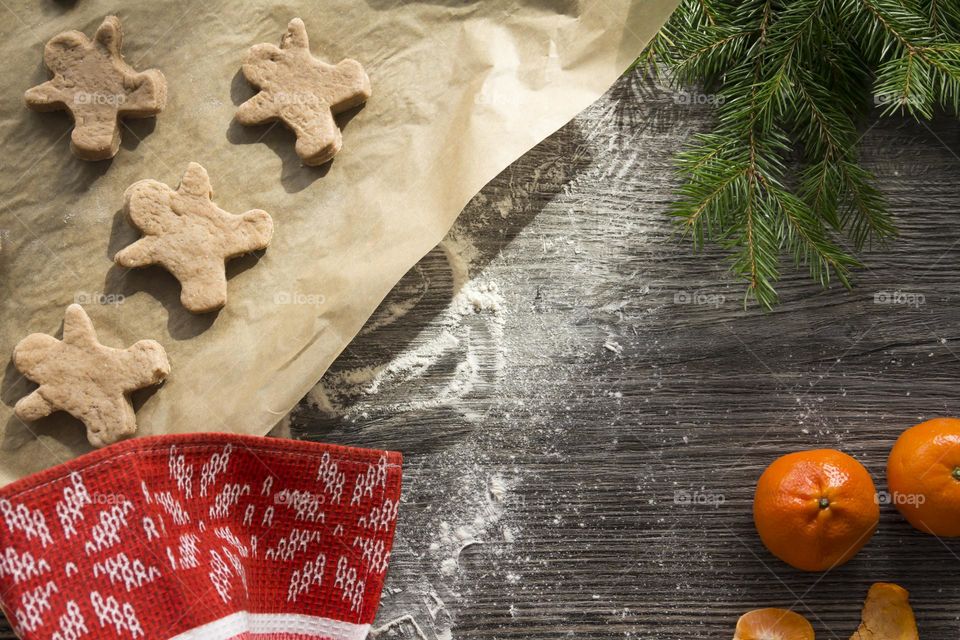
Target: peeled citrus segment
{"type": "Point", "coordinates": [887, 615]}
{"type": "Point", "coordinates": [773, 624]}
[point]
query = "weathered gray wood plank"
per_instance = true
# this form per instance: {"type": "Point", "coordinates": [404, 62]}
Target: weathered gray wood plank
{"type": "Point", "coordinates": [613, 403]}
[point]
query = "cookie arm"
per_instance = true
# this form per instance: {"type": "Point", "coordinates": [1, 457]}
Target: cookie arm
{"type": "Point", "coordinates": [148, 98]}
{"type": "Point", "coordinates": [257, 110]}
{"type": "Point", "coordinates": [77, 327]}
{"type": "Point", "coordinates": [196, 182]}
{"type": "Point", "coordinates": [296, 36]}
{"type": "Point", "coordinates": [33, 407]}
{"type": "Point", "coordinates": [254, 232]}
{"type": "Point", "coordinates": [146, 364]}
{"type": "Point", "coordinates": [110, 35]}
{"type": "Point", "coordinates": [139, 254]}
{"type": "Point", "coordinates": [45, 97]}
{"type": "Point", "coordinates": [349, 86]}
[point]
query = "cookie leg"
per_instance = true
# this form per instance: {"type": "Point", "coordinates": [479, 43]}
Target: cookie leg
{"type": "Point", "coordinates": [33, 407]}
{"type": "Point", "coordinates": [108, 419]}
{"type": "Point", "coordinates": [204, 294]}
{"type": "Point", "coordinates": [149, 98]}
{"type": "Point", "coordinates": [96, 135]}
{"type": "Point", "coordinates": [318, 137]}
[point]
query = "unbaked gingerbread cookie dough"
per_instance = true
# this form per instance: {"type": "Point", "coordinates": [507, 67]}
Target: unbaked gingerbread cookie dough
{"type": "Point", "coordinates": [187, 234]}
{"type": "Point", "coordinates": [303, 92]}
{"type": "Point", "coordinates": [94, 83]}
{"type": "Point", "coordinates": [88, 380]}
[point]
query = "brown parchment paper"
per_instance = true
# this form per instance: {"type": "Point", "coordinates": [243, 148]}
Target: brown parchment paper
{"type": "Point", "coordinates": [461, 89]}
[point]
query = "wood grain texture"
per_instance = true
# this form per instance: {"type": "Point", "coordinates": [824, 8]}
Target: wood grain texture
{"type": "Point", "coordinates": [630, 427]}
{"type": "Point", "coordinates": [584, 404]}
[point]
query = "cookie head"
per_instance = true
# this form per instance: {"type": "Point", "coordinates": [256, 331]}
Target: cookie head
{"type": "Point", "coordinates": [31, 352]}
{"type": "Point", "coordinates": [64, 53]}
{"type": "Point", "coordinates": [260, 63]}
{"type": "Point", "coordinates": [147, 205]}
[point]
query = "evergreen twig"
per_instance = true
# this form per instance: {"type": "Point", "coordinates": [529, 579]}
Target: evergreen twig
{"type": "Point", "coordinates": [792, 81]}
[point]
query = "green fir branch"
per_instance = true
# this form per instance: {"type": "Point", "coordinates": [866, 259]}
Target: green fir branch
{"type": "Point", "coordinates": [779, 176]}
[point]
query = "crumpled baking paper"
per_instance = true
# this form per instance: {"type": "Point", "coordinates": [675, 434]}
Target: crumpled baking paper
{"type": "Point", "coordinates": [460, 90]}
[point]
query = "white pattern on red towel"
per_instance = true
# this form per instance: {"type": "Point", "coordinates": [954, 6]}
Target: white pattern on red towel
{"type": "Point", "coordinates": [257, 543]}
{"type": "Point", "coordinates": [71, 625]}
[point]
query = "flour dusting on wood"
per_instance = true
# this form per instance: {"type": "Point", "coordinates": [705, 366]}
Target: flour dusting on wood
{"type": "Point", "coordinates": [497, 365]}
{"type": "Point", "coordinates": [476, 307]}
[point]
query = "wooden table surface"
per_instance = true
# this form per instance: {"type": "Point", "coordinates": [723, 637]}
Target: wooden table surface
{"type": "Point", "coordinates": [584, 425]}
{"type": "Point", "coordinates": [584, 404]}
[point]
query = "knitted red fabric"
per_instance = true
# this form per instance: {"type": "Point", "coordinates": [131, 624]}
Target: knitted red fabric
{"type": "Point", "coordinates": [200, 537]}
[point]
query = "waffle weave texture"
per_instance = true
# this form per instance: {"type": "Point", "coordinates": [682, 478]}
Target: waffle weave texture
{"type": "Point", "coordinates": [200, 537]}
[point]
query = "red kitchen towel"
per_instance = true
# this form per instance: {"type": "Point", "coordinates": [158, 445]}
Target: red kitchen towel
{"type": "Point", "coordinates": [200, 537]}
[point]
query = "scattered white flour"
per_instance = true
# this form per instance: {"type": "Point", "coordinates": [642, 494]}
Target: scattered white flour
{"type": "Point", "coordinates": [504, 206]}
{"type": "Point", "coordinates": [398, 624]}
{"type": "Point", "coordinates": [461, 347]}
{"type": "Point", "coordinates": [410, 296]}
{"type": "Point", "coordinates": [438, 622]}
{"type": "Point", "coordinates": [614, 346]}
{"type": "Point", "coordinates": [462, 343]}
{"type": "Point", "coordinates": [348, 392]}
{"type": "Point", "coordinates": [460, 526]}
{"type": "Point", "coordinates": [498, 488]}
{"type": "Point", "coordinates": [480, 526]}
{"type": "Point", "coordinates": [448, 567]}
{"type": "Point", "coordinates": [476, 508]}
{"type": "Point", "coordinates": [470, 296]}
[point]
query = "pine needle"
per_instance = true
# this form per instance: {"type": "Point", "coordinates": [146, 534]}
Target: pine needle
{"type": "Point", "coordinates": [779, 176]}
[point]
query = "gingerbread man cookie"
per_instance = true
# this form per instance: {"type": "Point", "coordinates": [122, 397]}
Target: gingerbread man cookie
{"type": "Point", "coordinates": [92, 81]}
{"type": "Point", "coordinates": [89, 381]}
{"type": "Point", "coordinates": [302, 92]}
{"type": "Point", "coordinates": [190, 236]}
